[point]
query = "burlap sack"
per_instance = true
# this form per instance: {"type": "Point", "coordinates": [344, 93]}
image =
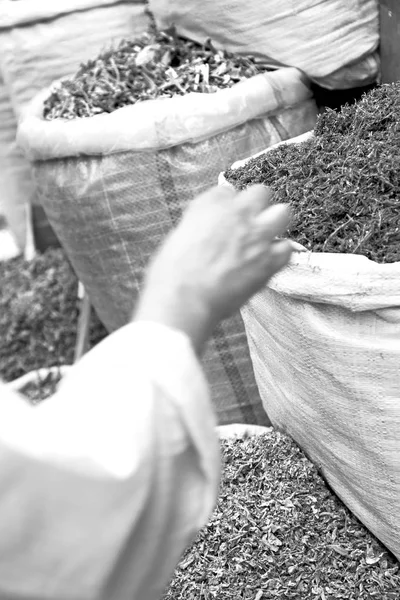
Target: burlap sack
{"type": "Point", "coordinates": [333, 41]}
{"type": "Point", "coordinates": [114, 185]}
{"type": "Point", "coordinates": [324, 338]}
{"type": "Point", "coordinates": [39, 42]}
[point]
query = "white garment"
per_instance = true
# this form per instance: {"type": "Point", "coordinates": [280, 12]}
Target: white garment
{"type": "Point", "coordinates": [104, 485]}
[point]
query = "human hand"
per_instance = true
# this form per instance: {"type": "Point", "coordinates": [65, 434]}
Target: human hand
{"type": "Point", "coordinates": [223, 251]}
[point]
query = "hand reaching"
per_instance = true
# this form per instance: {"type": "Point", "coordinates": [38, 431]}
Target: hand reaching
{"type": "Point", "coordinates": [223, 251]}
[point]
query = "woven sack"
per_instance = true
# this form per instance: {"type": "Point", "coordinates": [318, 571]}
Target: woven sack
{"type": "Point", "coordinates": [15, 177]}
{"type": "Point", "coordinates": [324, 338]}
{"type": "Point", "coordinates": [114, 185]}
{"type": "Point", "coordinates": [39, 42]}
{"type": "Point", "coordinates": [333, 41]}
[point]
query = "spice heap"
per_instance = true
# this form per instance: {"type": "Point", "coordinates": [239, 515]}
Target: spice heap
{"type": "Point", "coordinates": [279, 533]}
{"type": "Point", "coordinates": [39, 314]}
{"type": "Point", "coordinates": [158, 65]}
{"type": "Point", "coordinates": [344, 183]}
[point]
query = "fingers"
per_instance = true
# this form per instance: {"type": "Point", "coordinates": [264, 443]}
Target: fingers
{"type": "Point", "coordinates": [280, 253]}
{"type": "Point", "coordinates": [252, 201]}
{"type": "Point", "coordinates": [255, 199]}
{"type": "Point", "coordinates": [214, 196]}
{"type": "Point", "coordinates": [274, 221]}
{"type": "Point", "coordinates": [298, 247]}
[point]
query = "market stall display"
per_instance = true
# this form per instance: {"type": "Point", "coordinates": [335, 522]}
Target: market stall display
{"type": "Point", "coordinates": [115, 182]}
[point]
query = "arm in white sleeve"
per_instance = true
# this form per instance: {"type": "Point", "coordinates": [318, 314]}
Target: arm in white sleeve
{"type": "Point", "coordinates": [104, 485]}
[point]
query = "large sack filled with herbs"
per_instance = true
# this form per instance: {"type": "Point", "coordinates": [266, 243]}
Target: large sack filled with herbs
{"type": "Point", "coordinates": [324, 333]}
{"type": "Point", "coordinates": [120, 149]}
{"type": "Point", "coordinates": [39, 42]}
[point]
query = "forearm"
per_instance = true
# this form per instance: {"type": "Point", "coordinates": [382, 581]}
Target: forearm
{"type": "Point", "coordinates": [177, 307]}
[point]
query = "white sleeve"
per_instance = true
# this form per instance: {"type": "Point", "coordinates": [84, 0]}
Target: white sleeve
{"type": "Point", "coordinates": [104, 485]}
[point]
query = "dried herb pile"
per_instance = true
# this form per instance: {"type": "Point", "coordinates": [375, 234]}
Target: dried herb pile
{"type": "Point", "coordinates": [344, 183]}
{"type": "Point", "coordinates": [42, 388]}
{"type": "Point", "coordinates": [279, 533]}
{"type": "Point", "coordinates": [39, 314]}
{"type": "Point", "coordinates": [160, 64]}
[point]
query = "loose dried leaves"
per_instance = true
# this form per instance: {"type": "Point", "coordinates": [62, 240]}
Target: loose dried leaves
{"type": "Point", "coordinates": [343, 184]}
{"type": "Point", "coordinates": [278, 532]}
{"type": "Point", "coordinates": [41, 387]}
{"type": "Point", "coordinates": [39, 314]}
{"type": "Point", "coordinates": [159, 64]}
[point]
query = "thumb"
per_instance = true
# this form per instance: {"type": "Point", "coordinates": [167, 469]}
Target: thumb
{"type": "Point", "coordinates": [280, 253]}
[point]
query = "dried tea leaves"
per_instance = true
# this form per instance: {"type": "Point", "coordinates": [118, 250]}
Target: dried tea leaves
{"type": "Point", "coordinates": [41, 387]}
{"type": "Point", "coordinates": [279, 533]}
{"type": "Point", "coordinates": [158, 65]}
{"type": "Point", "coordinates": [39, 314]}
{"type": "Point", "coordinates": [343, 184]}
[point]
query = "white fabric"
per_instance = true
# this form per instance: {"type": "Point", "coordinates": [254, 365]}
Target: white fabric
{"type": "Point", "coordinates": [8, 246]}
{"type": "Point", "coordinates": [15, 174]}
{"type": "Point", "coordinates": [241, 430]}
{"type": "Point", "coordinates": [24, 12]}
{"type": "Point", "coordinates": [324, 338]}
{"type": "Point", "coordinates": [330, 378]}
{"type": "Point", "coordinates": [104, 485]}
{"type": "Point", "coordinates": [327, 39]}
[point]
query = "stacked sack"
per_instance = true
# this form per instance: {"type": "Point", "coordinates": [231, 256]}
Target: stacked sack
{"type": "Point", "coordinates": [40, 41]}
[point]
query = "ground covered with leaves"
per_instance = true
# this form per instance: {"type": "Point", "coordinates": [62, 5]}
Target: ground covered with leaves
{"type": "Point", "coordinates": [278, 532]}
{"type": "Point", "coordinates": [343, 184]}
{"type": "Point", "coordinates": [38, 314]}
{"type": "Point", "coordinates": [159, 64]}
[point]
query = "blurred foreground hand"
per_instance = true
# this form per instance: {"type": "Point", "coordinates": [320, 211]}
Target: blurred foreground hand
{"type": "Point", "coordinates": [223, 251]}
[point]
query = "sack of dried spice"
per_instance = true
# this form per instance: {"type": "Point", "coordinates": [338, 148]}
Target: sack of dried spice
{"type": "Point", "coordinates": [278, 532]}
{"type": "Point", "coordinates": [40, 41]}
{"type": "Point", "coordinates": [324, 334]}
{"type": "Point", "coordinates": [114, 183]}
{"type": "Point", "coordinates": [333, 41]}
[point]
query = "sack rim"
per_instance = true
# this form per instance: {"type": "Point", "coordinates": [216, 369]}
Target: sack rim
{"type": "Point", "coordinates": [349, 280]}
{"type": "Point", "coordinates": [160, 123]}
